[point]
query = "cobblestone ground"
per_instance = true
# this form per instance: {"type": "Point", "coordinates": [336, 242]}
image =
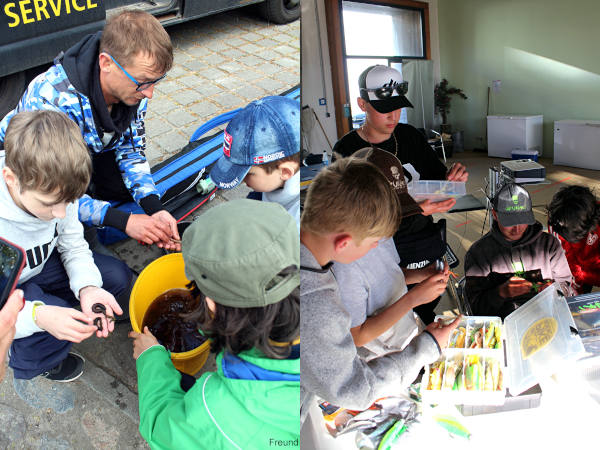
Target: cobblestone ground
{"type": "Point", "coordinates": [221, 63]}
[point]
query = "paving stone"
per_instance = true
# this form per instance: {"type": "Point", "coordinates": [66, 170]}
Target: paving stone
{"type": "Point", "coordinates": [206, 89]}
{"type": "Point", "coordinates": [251, 37]}
{"type": "Point", "coordinates": [157, 126]}
{"type": "Point", "coordinates": [287, 62]}
{"type": "Point", "coordinates": [195, 65]}
{"type": "Point", "coordinates": [251, 60]}
{"type": "Point", "coordinates": [186, 96]}
{"type": "Point", "coordinates": [285, 49]}
{"type": "Point", "coordinates": [190, 81]}
{"type": "Point", "coordinates": [217, 46]}
{"type": "Point", "coordinates": [250, 48]}
{"type": "Point", "coordinates": [267, 43]}
{"type": "Point", "coordinates": [172, 141]}
{"type": "Point", "coordinates": [232, 54]}
{"type": "Point", "coordinates": [270, 85]}
{"type": "Point", "coordinates": [251, 93]}
{"type": "Point", "coordinates": [199, 51]}
{"type": "Point", "coordinates": [158, 106]}
{"type": "Point", "coordinates": [235, 42]}
{"type": "Point", "coordinates": [228, 100]}
{"type": "Point", "coordinates": [268, 55]}
{"type": "Point", "coordinates": [179, 118]}
{"type": "Point", "coordinates": [168, 86]}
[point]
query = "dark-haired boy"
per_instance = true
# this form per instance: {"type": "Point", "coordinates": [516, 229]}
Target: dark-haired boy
{"type": "Point", "coordinates": [574, 218]}
{"type": "Point", "coordinates": [262, 149]}
{"type": "Point", "coordinates": [496, 264]}
{"type": "Point", "coordinates": [242, 257]}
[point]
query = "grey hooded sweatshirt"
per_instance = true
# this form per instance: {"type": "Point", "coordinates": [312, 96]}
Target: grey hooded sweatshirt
{"type": "Point", "coordinates": [38, 238]}
{"type": "Point", "coordinates": [493, 259]}
{"type": "Point", "coordinates": [330, 366]}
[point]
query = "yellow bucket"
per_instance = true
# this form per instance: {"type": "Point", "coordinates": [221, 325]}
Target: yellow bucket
{"type": "Point", "coordinates": [159, 276]}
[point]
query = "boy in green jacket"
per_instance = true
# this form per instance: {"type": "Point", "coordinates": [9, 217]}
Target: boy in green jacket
{"type": "Point", "coordinates": [243, 258]}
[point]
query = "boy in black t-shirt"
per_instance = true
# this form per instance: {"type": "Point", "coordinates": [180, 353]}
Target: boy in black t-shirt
{"type": "Point", "coordinates": [382, 96]}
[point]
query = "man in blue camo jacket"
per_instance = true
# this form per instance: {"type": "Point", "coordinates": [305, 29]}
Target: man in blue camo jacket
{"type": "Point", "coordinates": [103, 83]}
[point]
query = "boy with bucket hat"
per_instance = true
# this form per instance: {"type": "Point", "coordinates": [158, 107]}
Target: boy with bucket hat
{"type": "Point", "coordinates": [262, 149]}
{"type": "Point", "coordinates": [382, 96]}
{"type": "Point", "coordinates": [496, 265]}
{"type": "Point", "coordinates": [243, 260]}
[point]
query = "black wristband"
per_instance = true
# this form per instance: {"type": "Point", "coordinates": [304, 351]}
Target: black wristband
{"type": "Point", "coordinates": [116, 218]}
{"type": "Point", "coordinates": [151, 204]}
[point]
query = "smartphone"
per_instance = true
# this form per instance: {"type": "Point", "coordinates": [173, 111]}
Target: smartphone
{"type": "Point", "coordinates": [12, 261]}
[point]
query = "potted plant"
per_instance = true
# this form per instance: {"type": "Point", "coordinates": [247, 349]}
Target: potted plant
{"type": "Point", "coordinates": [442, 96]}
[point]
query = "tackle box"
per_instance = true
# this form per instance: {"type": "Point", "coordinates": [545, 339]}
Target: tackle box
{"type": "Point", "coordinates": [436, 190]}
{"type": "Point", "coordinates": [534, 341]}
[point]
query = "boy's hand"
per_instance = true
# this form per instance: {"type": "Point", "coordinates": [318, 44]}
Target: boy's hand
{"type": "Point", "coordinates": [147, 229]}
{"type": "Point", "coordinates": [430, 207]}
{"type": "Point", "coordinates": [514, 287]}
{"type": "Point", "coordinates": [142, 341]}
{"type": "Point", "coordinates": [169, 221]}
{"type": "Point", "coordinates": [442, 332]}
{"type": "Point", "coordinates": [92, 294]}
{"type": "Point", "coordinates": [8, 317]}
{"type": "Point", "coordinates": [64, 323]}
{"type": "Point", "coordinates": [430, 288]}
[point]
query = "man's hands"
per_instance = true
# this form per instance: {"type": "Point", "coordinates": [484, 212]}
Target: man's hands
{"type": "Point", "coordinates": [156, 229]}
{"type": "Point", "coordinates": [92, 294]}
{"type": "Point", "coordinates": [430, 207]}
{"type": "Point", "coordinates": [142, 341]}
{"type": "Point", "coordinates": [457, 172]}
{"type": "Point", "coordinates": [167, 219]}
{"type": "Point", "coordinates": [8, 317]}
{"type": "Point", "coordinates": [442, 332]}
{"type": "Point", "coordinates": [514, 287]}
{"type": "Point", "coordinates": [64, 323]}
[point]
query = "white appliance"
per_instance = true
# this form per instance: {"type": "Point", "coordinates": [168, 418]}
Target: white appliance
{"type": "Point", "coordinates": [577, 143]}
{"type": "Point", "coordinates": [514, 132]}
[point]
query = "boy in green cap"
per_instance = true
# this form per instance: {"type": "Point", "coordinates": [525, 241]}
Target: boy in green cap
{"type": "Point", "coordinates": [243, 258]}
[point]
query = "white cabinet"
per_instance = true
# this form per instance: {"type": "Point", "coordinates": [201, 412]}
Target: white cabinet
{"type": "Point", "coordinates": [514, 132]}
{"type": "Point", "coordinates": [577, 143]}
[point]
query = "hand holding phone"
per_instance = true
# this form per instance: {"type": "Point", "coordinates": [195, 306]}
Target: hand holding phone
{"type": "Point", "coordinates": [12, 261]}
{"type": "Point", "coordinates": [8, 317]}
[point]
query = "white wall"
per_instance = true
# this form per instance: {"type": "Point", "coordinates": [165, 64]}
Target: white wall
{"type": "Point", "coordinates": [316, 78]}
{"type": "Point", "coordinates": [315, 68]}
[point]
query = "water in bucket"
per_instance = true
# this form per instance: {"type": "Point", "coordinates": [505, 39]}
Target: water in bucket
{"type": "Point", "coordinates": [163, 318]}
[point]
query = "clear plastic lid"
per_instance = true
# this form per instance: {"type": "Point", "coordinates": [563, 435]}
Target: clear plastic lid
{"type": "Point", "coordinates": [539, 339]}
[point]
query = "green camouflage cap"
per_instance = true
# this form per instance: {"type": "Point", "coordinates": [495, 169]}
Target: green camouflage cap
{"type": "Point", "coordinates": [236, 251]}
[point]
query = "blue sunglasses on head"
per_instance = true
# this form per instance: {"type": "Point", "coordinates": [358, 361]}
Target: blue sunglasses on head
{"type": "Point", "coordinates": [140, 86]}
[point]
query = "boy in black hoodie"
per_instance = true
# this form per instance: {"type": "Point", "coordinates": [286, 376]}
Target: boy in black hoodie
{"type": "Point", "coordinates": [515, 260]}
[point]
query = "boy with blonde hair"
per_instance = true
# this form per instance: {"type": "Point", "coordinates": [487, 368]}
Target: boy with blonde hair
{"type": "Point", "coordinates": [45, 169]}
{"type": "Point", "coordinates": [262, 149]}
{"type": "Point", "coordinates": [349, 207]}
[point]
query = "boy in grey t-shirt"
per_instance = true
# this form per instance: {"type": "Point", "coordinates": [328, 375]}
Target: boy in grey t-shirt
{"type": "Point", "coordinates": [373, 291]}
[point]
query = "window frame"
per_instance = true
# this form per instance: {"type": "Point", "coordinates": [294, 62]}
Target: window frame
{"type": "Point", "coordinates": [337, 52]}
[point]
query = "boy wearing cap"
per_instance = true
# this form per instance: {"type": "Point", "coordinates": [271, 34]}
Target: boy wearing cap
{"type": "Point", "coordinates": [262, 149]}
{"type": "Point", "coordinates": [350, 206]}
{"type": "Point", "coordinates": [382, 96]}
{"type": "Point", "coordinates": [249, 305]}
{"type": "Point", "coordinates": [373, 288]}
{"type": "Point", "coordinates": [496, 263]}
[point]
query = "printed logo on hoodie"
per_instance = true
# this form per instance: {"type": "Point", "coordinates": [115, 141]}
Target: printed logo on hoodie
{"type": "Point", "coordinates": [38, 254]}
